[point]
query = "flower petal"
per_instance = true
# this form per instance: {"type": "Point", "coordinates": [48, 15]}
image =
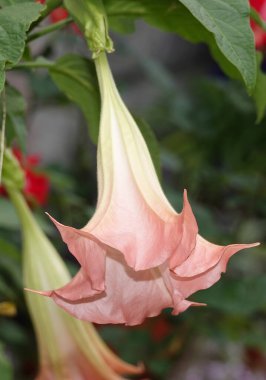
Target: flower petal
{"type": "Point", "coordinates": [186, 286]}
{"type": "Point", "coordinates": [142, 237]}
{"type": "Point", "coordinates": [188, 235]}
{"type": "Point", "coordinates": [129, 297]}
{"type": "Point", "coordinates": [91, 256]}
{"type": "Point", "coordinates": [205, 256]}
{"type": "Point", "coordinates": [179, 303]}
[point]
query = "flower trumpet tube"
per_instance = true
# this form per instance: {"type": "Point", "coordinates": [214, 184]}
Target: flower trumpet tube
{"type": "Point", "coordinates": [137, 254]}
{"type": "Point", "coordinates": [68, 348]}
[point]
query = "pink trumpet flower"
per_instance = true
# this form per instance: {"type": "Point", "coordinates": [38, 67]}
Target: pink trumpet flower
{"type": "Point", "coordinates": [137, 254]}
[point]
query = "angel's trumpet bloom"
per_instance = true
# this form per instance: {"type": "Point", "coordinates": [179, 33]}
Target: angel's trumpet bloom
{"type": "Point", "coordinates": [69, 349]}
{"type": "Point", "coordinates": [137, 254]}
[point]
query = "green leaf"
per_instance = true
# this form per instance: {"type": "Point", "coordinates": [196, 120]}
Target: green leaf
{"type": "Point", "coordinates": [14, 333]}
{"type": "Point", "coordinates": [222, 24]}
{"type": "Point", "coordinates": [134, 8]}
{"type": "Point", "coordinates": [241, 297]}
{"type": "Point", "coordinates": [6, 291]}
{"type": "Point", "coordinates": [9, 250]}
{"type": "Point", "coordinates": [259, 94]}
{"type": "Point", "coordinates": [122, 24]}
{"type": "Point", "coordinates": [4, 3]}
{"type": "Point", "coordinates": [75, 76]}
{"type": "Point", "coordinates": [15, 20]}
{"type": "Point", "coordinates": [8, 216]}
{"type": "Point", "coordinates": [5, 366]}
{"type": "Point", "coordinates": [15, 119]}
{"type": "Point", "coordinates": [229, 21]}
{"type": "Point", "coordinates": [10, 267]}
{"type": "Point", "coordinates": [121, 14]}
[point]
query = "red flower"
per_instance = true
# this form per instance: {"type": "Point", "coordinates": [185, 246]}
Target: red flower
{"type": "Point", "coordinates": [60, 14]}
{"type": "Point", "coordinates": [37, 185]}
{"type": "Point", "coordinates": [259, 33]}
{"type": "Point", "coordinates": [160, 329]}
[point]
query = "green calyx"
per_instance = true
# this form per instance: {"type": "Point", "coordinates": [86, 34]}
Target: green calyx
{"type": "Point", "coordinates": [13, 175]}
{"type": "Point", "coordinates": [91, 18]}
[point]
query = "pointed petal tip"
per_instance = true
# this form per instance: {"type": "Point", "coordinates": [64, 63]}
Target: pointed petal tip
{"type": "Point", "coordinates": [42, 293]}
{"type": "Point", "coordinates": [198, 304]}
{"type": "Point", "coordinates": [52, 219]}
{"type": "Point", "coordinates": [56, 223]}
{"type": "Point", "coordinates": [184, 305]}
{"type": "Point", "coordinates": [131, 369]}
{"type": "Point", "coordinates": [49, 216]}
{"type": "Point", "coordinates": [141, 369]}
{"type": "Point", "coordinates": [245, 245]}
{"type": "Point", "coordinates": [255, 244]}
{"type": "Point", "coordinates": [185, 198]}
{"type": "Point", "coordinates": [137, 369]}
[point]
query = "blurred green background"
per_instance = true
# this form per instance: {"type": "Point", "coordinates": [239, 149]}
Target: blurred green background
{"type": "Point", "coordinates": [208, 143]}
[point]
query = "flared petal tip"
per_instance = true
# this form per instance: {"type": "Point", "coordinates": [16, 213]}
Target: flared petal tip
{"type": "Point", "coordinates": [245, 246]}
{"type": "Point", "coordinates": [138, 369]}
{"type": "Point", "coordinates": [196, 304]}
{"type": "Point", "coordinates": [130, 369]}
{"type": "Point", "coordinates": [123, 368]}
{"type": "Point", "coordinates": [47, 293]}
{"type": "Point", "coordinates": [59, 225]}
{"type": "Point", "coordinates": [54, 220]}
{"type": "Point", "coordinates": [184, 305]}
{"type": "Point", "coordinates": [254, 244]}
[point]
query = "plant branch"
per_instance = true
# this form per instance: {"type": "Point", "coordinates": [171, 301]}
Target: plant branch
{"type": "Point", "coordinates": [3, 133]}
{"type": "Point", "coordinates": [49, 29]}
{"type": "Point", "coordinates": [38, 64]}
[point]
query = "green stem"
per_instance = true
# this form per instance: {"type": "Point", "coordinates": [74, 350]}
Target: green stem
{"type": "Point", "coordinates": [41, 64]}
{"type": "Point", "coordinates": [256, 17]}
{"type": "Point", "coordinates": [49, 29]}
{"type": "Point", "coordinates": [3, 133]}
